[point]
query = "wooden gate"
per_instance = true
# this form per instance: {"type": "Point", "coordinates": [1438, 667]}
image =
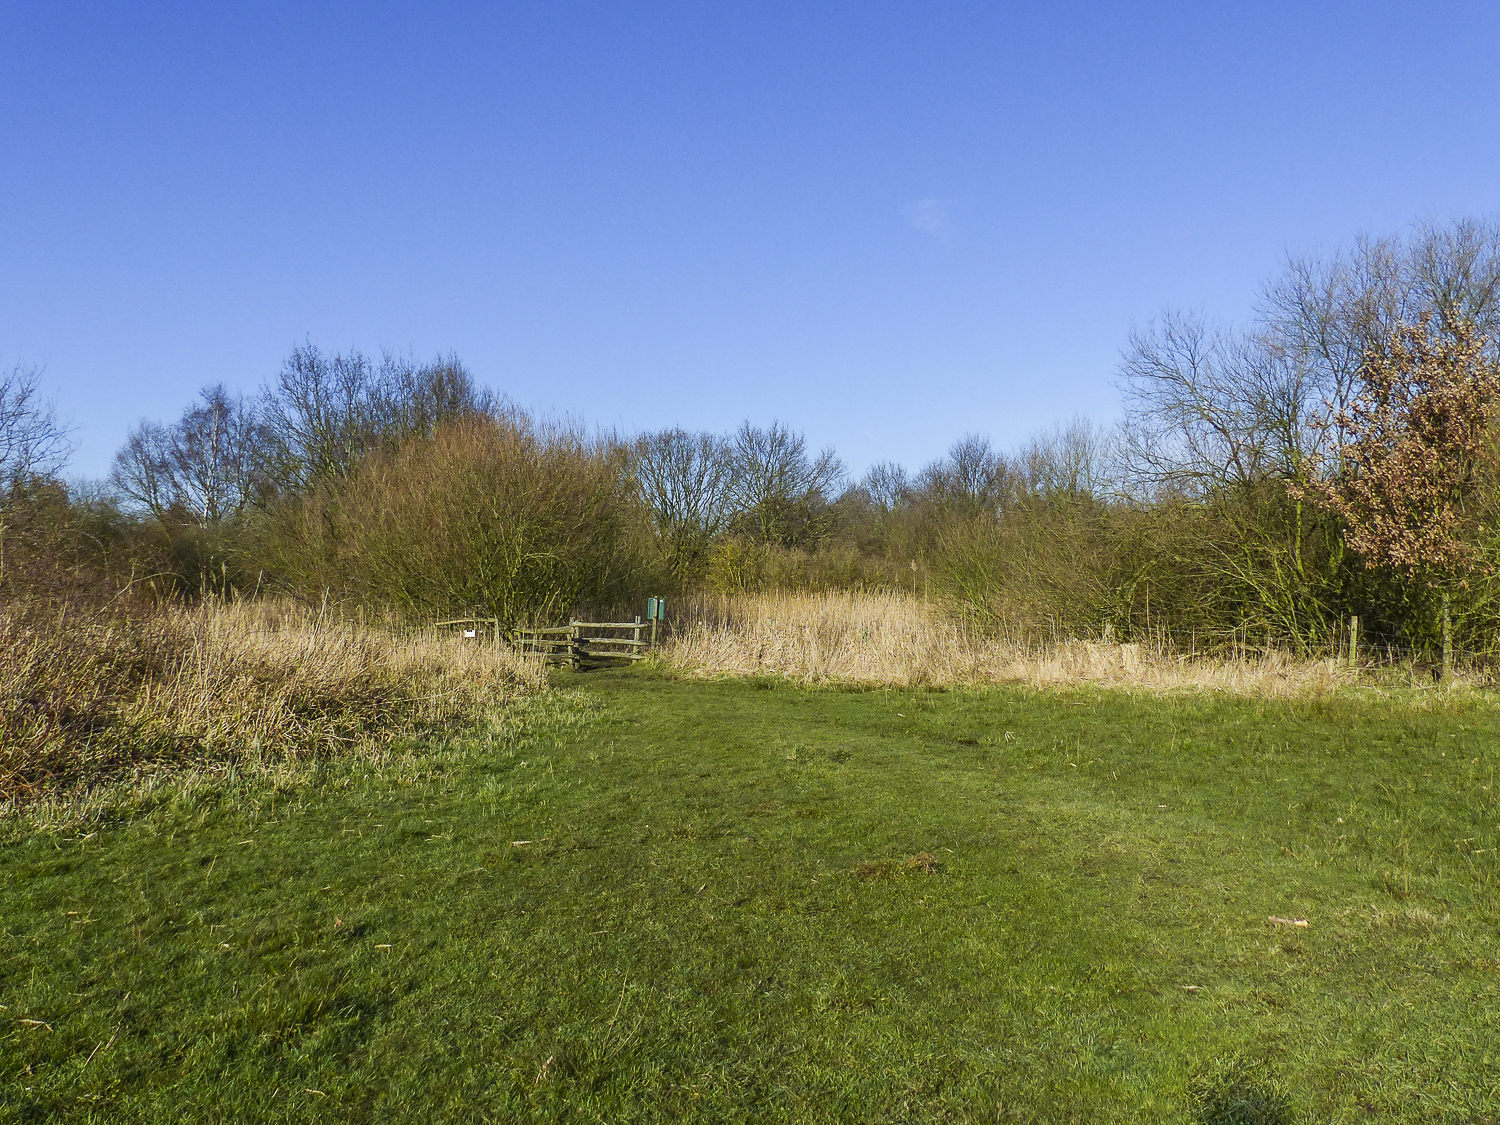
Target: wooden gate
{"type": "Point", "coordinates": [584, 644]}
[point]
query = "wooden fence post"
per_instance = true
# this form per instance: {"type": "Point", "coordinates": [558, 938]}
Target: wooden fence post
{"type": "Point", "coordinates": [1447, 642]}
{"type": "Point", "coordinates": [1353, 642]}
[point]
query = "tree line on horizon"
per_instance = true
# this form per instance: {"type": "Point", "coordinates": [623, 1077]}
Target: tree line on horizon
{"type": "Point", "coordinates": [1335, 458]}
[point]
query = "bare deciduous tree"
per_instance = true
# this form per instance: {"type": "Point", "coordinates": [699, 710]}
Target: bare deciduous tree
{"type": "Point", "coordinates": [887, 485]}
{"type": "Point", "coordinates": [319, 418]}
{"type": "Point", "coordinates": [32, 443]}
{"type": "Point", "coordinates": [686, 481]}
{"type": "Point", "coordinates": [1330, 312]}
{"type": "Point", "coordinates": [1207, 410]}
{"type": "Point", "coordinates": [1066, 464]}
{"type": "Point", "coordinates": [410, 399]}
{"type": "Point", "coordinates": [777, 484]}
{"type": "Point", "coordinates": [325, 414]}
{"type": "Point", "coordinates": [974, 479]}
{"type": "Point", "coordinates": [202, 468]}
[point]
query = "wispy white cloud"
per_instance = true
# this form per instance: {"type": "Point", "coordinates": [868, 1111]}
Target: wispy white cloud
{"type": "Point", "coordinates": [932, 217]}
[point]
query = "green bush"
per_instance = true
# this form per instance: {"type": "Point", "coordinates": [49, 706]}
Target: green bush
{"type": "Point", "coordinates": [488, 515]}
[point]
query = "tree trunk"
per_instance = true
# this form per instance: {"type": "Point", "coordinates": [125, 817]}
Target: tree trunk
{"type": "Point", "coordinates": [1447, 642]}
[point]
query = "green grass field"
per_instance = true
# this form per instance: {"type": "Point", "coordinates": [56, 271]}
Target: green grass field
{"type": "Point", "coordinates": [650, 899]}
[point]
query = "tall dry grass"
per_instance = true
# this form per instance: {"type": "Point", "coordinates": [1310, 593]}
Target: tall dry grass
{"type": "Point", "coordinates": [89, 697]}
{"type": "Point", "coordinates": [899, 640]}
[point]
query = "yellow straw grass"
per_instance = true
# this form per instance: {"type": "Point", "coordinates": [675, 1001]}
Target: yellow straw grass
{"type": "Point", "coordinates": [85, 697]}
{"type": "Point", "coordinates": [898, 640]}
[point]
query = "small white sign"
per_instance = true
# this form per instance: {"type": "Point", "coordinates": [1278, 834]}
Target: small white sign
{"type": "Point", "coordinates": [471, 632]}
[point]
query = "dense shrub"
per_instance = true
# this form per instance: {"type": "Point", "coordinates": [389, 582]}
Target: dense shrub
{"type": "Point", "coordinates": [490, 515]}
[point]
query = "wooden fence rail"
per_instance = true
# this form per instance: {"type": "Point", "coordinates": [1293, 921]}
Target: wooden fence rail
{"type": "Point", "coordinates": [578, 644]}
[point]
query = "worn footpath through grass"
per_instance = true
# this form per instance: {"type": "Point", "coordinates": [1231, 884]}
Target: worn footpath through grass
{"type": "Point", "coordinates": [650, 899]}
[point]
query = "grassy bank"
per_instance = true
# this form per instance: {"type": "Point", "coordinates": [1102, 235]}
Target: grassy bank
{"type": "Point", "coordinates": [94, 697]}
{"type": "Point", "coordinates": [651, 899]}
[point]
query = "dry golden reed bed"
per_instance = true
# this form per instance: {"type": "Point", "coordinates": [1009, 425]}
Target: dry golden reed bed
{"type": "Point", "coordinates": [92, 697]}
{"type": "Point", "coordinates": [898, 640]}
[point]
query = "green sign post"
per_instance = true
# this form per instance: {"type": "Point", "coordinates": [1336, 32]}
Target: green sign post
{"type": "Point", "coordinates": [656, 610]}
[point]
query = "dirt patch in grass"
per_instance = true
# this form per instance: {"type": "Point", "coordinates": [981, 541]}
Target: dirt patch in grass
{"type": "Point", "coordinates": [878, 870]}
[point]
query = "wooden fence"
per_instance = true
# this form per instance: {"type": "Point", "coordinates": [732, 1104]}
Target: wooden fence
{"type": "Point", "coordinates": [578, 644]}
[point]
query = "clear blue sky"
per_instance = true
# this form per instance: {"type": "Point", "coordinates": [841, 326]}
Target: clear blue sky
{"type": "Point", "coordinates": [887, 224]}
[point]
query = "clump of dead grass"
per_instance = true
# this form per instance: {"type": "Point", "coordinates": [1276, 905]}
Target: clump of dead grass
{"type": "Point", "coordinates": [898, 640]}
{"type": "Point", "coordinates": [91, 696]}
{"type": "Point", "coordinates": [881, 870]}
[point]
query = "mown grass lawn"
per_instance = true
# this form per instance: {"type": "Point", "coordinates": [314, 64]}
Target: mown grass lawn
{"type": "Point", "coordinates": [652, 899]}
